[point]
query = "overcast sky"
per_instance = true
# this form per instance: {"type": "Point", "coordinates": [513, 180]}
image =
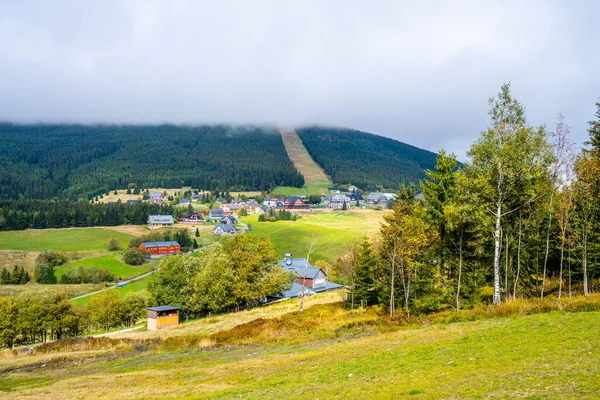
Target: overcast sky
{"type": "Point", "coordinates": [420, 72]}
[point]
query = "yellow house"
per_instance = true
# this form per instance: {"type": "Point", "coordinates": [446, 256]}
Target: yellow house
{"type": "Point", "coordinates": [162, 317]}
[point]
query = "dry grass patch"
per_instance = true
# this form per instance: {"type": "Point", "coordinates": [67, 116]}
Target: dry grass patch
{"type": "Point", "coordinates": [217, 323]}
{"type": "Point", "coordinates": [10, 258]}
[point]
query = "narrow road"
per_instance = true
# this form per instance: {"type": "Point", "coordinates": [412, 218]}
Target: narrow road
{"type": "Point", "coordinates": [114, 286]}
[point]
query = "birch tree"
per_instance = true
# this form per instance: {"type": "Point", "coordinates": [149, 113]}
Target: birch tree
{"type": "Point", "coordinates": [508, 152]}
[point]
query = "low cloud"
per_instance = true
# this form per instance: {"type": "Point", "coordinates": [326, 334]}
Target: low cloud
{"type": "Point", "coordinates": [420, 73]}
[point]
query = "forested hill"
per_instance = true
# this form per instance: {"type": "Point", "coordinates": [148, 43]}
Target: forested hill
{"type": "Point", "coordinates": [364, 159]}
{"type": "Point", "coordinates": [77, 161]}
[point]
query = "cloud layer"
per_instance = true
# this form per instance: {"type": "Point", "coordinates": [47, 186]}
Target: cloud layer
{"type": "Point", "coordinates": [420, 73]}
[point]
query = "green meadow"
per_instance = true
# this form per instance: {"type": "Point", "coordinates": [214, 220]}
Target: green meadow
{"type": "Point", "coordinates": [68, 239]}
{"type": "Point", "coordinates": [111, 262]}
{"type": "Point", "coordinates": [138, 286]}
{"type": "Point", "coordinates": [333, 231]}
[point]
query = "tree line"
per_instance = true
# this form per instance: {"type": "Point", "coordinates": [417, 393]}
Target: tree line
{"type": "Point", "coordinates": [73, 162]}
{"type": "Point", "coordinates": [39, 214]}
{"type": "Point", "coordinates": [18, 276]}
{"type": "Point", "coordinates": [35, 317]}
{"type": "Point", "coordinates": [520, 218]}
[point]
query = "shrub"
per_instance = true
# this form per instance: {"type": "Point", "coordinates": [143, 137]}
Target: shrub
{"type": "Point", "coordinates": [114, 244]}
{"type": "Point", "coordinates": [134, 256]}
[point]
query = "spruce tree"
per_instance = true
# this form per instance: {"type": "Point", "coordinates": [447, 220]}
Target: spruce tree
{"type": "Point", "coordinates": [438, 190]}
{"type": "Point", "coordinates": [197, 233]}
{"type": "Point", "coordinates": [4, 277]}
{"type": "Point", "coordinates": [364, 265]}
{"type": "Point", "coordinates": [594, 130]}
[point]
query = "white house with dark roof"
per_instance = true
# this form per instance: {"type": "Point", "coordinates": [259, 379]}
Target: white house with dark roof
{"type": "Point", "coordinates": [377, 199]}
{"type": "Point", "coordinates": [158, 221]}
{"type": "Point", "coordinates": [225, 229]}
{"type": "Point", "coordinates": [337, 201]}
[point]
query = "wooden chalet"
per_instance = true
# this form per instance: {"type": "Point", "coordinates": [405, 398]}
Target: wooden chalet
{"type": "Point", "coordinates": [295, 203]}
{"type": "Point", "coordinates": [192, 218]}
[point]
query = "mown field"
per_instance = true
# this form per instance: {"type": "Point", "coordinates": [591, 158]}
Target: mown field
{"type": "Point", "coordinates": [69, 239]}
{"type": "Point", "coordinates": [112, 262]}
{"type": "Point", "coordinates": [334, 232]}
{"type": "Point", "coordinates": [549, 355]}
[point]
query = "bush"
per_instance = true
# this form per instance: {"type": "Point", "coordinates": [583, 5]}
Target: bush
{"type": "Point", "coordinates": [114, 244]}
{"type": "Point", "coordinates": [134, 256]}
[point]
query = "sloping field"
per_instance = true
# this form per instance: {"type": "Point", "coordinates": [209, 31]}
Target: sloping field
{"type": "Point", "coordinates": [68, 239]}
{"type": "Point", "coordinates": [315, 180]}
{"type": "Point", "coordinates": [553, 355]}
{"type": "Point", "coordinates": [111, 262]}
{"type": "Point", "coordinates": [333, 231]}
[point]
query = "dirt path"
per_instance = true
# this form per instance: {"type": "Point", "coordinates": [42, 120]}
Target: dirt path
{"type": "Point", "coordinates": [312, 172]}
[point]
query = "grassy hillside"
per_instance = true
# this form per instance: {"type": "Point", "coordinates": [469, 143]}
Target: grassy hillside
{"type": "Point", "coordinates": [338, 354]}
{"type": "Point", "coordinates": [364, 159]}
{"type": "Point", "coordinates": [112, 262]}
{"type": "Point", "coordinates": [334, 231]}
{"type": "Point", "coordinates": [315, 180]}
{"type": "Point", "coordinates": [67, 161]}
{"type": "Point", "coordinates": [70, 239]}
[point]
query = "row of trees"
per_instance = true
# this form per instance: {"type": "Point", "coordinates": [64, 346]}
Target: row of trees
{"type": "Point", "coordinates": [40, 214]}
{"type": "Point", "coordinates": [18, 277]}
{"type": "Point", "coordinates": [280, 215]}
{"type": "Point", "coordinates": [84, 274]}
{"type": "Point", "coordinates": [38, 317]}
{"type": "Point", "coordinates": [236, 272]}
{"type": "Point", "coordinates": [521, 218]}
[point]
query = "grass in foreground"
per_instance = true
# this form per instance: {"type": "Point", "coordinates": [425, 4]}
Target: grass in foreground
{"type": "Point", "coordinates": [549, 355]}
{"type": "Point", "coordinates": [68, 239]}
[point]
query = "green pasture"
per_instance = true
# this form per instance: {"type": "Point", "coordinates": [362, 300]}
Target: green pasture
{"type": "Point", "coordinates": [112, 262]}
{"type": "Point", "coordinates": [68, 239]}
{"type": "Point", "coordinates": [333, 234]}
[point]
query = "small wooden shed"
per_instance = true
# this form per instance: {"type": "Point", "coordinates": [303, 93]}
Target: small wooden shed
{"type": "Point", "coordinates": [162, 317]}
